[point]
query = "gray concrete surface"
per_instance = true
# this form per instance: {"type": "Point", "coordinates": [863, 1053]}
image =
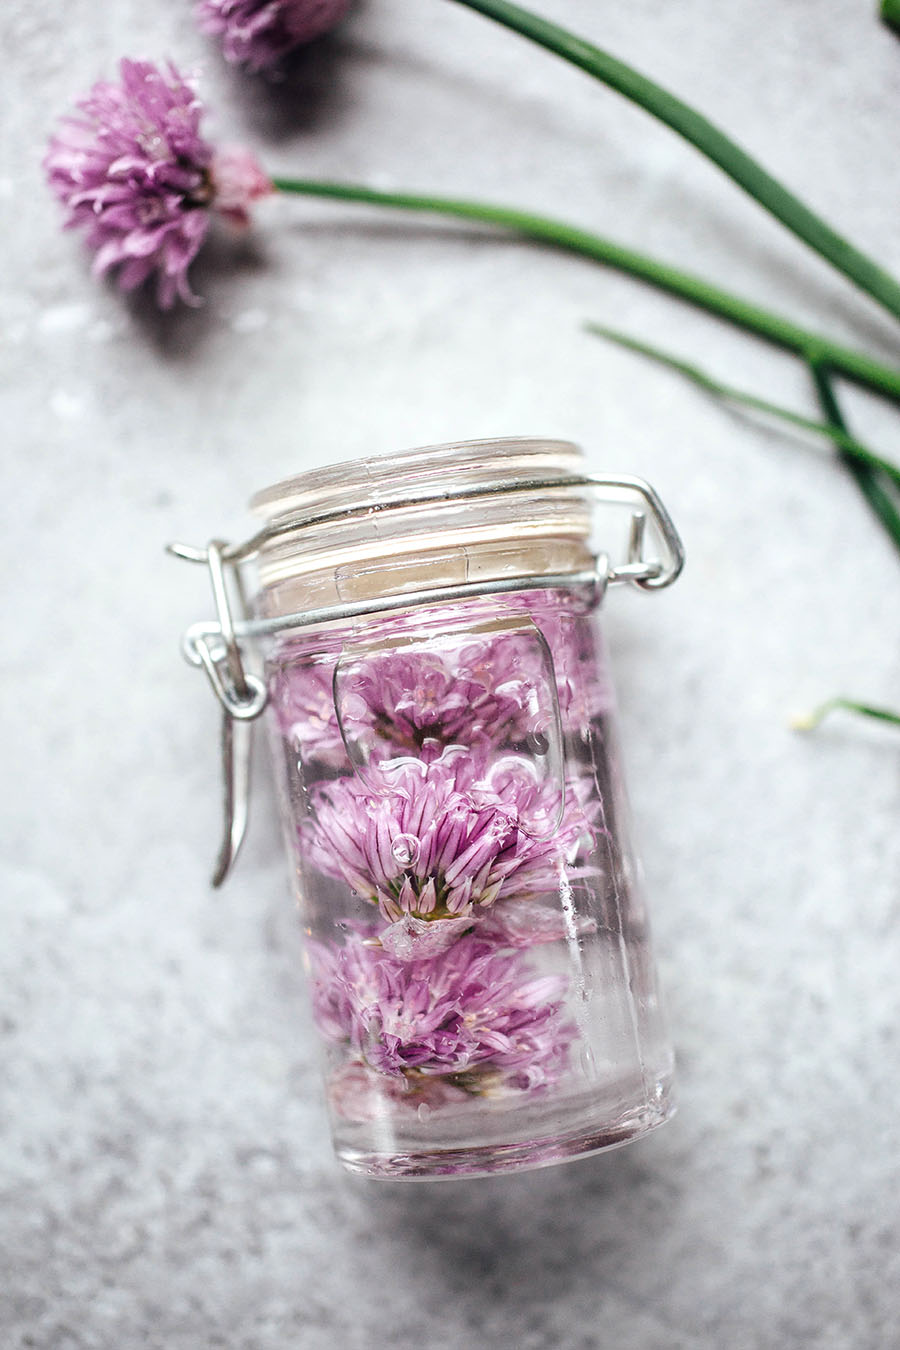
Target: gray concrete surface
{"type": "Point", "coordinates": [166, 1167]}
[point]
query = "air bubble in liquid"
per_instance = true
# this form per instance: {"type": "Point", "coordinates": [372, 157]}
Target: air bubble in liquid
{"type": "Point", "coordinates": [405, 850]}
{"type": "Point", "coordinates": [538, 742]}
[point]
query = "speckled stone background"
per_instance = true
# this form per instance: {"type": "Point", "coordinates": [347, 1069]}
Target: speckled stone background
{"type": "Point", "coordinates": [166, 1166]}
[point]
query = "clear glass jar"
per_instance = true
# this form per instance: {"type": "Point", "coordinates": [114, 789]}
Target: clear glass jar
{"type": "Point", "coordinates": [442, 723]}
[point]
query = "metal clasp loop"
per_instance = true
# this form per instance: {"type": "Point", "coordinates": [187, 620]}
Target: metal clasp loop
{"type": "Point", "coordinates": [213, 647]}
{"type": "Point", "coordinates": [203, 647]}
{"type": "Point", "coordinates": [232, 654]}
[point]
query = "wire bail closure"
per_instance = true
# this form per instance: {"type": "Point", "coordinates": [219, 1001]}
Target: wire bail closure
{"type": "Point", "coordinates": [215, 646]}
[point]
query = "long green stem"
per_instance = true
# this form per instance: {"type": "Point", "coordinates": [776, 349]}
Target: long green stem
{"type": "Point", "coordinates": [880, 491]}
{"type": "Point", "coordinates": [707, 138]}
{"type": "Point", "coordinates": [854, 365]}
{"type": "Point", "coordinates": [812, 720]}
{"type": "Point", "coordinates": [877, 481]}
{"type": "Point", "coordinates": [873, 475]}
{"type": "Point", "coordinates": [855, 451]}
{"type": "Point", "coordinates": [890, 12]}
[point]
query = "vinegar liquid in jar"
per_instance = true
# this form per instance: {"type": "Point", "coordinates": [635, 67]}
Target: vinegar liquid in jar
{"type": "Point", "coordinates": [443, 727]}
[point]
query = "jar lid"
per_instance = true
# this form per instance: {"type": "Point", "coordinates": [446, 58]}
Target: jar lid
{"type": "Point", "coordinates": [418, 472]}
{"type": "Point", "coordinates": [473, 507]}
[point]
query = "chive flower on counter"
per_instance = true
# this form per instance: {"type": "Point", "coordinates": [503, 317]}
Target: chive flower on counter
{"type": "Point", "coordinates": [258, 34]}
{"type": "Point", "coordinates": [137, 176]}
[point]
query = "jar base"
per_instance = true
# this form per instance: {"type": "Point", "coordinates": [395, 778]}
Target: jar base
{"type": "Point", "coordinates": [526, 1155]}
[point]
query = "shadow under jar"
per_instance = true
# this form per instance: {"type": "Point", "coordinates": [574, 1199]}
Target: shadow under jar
{"type": "Point", "coordinates": [442, 723]}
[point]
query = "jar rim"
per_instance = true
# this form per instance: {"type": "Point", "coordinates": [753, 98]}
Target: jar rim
{"type": "Point", "coordinates": [351, 484]}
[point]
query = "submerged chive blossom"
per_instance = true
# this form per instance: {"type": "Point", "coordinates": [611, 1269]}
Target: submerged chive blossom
{"type": "Point", "coordinates": [413, 703]}
{"type": "Point", "coordinates": [475, 944]}
{"type": "Point", "coordinates": [410, 702]}
{"type": "Point", "coordinates": [302, 699]}
{"type": "Point", "coordinates": [446, 838]}
{"type": "Point", "coordinates": [484, 691]}
{"type": "Point", "coordinates": [478, 1017]}
{"type": "Point", "coordinates": [133, 170]}
{"type": "Point", "coordinates": [260, 33]}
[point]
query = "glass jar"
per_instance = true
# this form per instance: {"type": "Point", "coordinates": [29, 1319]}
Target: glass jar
{"type": "Point", "coordinates": [442, 724]}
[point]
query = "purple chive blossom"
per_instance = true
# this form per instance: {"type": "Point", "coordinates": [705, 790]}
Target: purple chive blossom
{"type": "Point", "coordinates": [474, 1014]}
{"type": "Point", "coordinates": [361, 1094]}
{"type": "Point", "coordinates": [483, 692]}
{"type": "Point", "coordinates": [528, 922]}
{"type": "Point", "coordinates": [303, 703]}
{"type": "Point", "coordinates": [437, 839]}
{"type": "Point", "coordinates": [259, 33]}
{"type": "Point", "coordinates": [133, 170]}
{"type": "Point", "coordinates": [582, 679]}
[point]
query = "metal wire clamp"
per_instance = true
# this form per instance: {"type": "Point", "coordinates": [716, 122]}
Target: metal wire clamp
{"type": "Point", "coordinates": [215, 645]}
